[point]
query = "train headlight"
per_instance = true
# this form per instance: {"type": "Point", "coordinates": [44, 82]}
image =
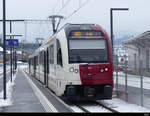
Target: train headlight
{"type": "Point", "coordinates": [102, 70]}
{"type": "Point", "coordinates": [76, 70]}
{"type": "Point", "coordinates": [106, 69]}
{"type": "Point", "coordinates": [71, 69]}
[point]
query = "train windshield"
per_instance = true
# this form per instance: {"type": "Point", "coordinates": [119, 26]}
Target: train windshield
{"type": "Point", "coordinates": [88, 51]}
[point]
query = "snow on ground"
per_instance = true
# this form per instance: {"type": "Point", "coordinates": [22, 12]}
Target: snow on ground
{"type": "Point", "coordinates": [23, 66]}
{"type": "Point", "coordinates": [90, 107]}
{"type": "Point", "coordinates": [97, 109]}
{"type": "Point", "coordinates": [1, 70]}
{"type": "Point", "coordinates": [123, 106]}
{"type": "Point", "coordinates": [116, 104]}
{"type": "Point", "coordinates": [9, 91]}
{"type": "Point", "coordinates": [133, 81]}
{"type": "Point", "coordinates": [76, 109]}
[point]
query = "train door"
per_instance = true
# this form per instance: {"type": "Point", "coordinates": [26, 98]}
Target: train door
{"type": "Point", "coordinates": [52, 81]}
{"type": "Point", "coordinates": [42, 69]}
{"type": "Point", "coordinates": [29, 65]}
{"type": "Point", "coordinates": [34, 66]}
{"type": "Point", "coordinates": [47, 67]}
{"type": "Point", "coordinates": [37, 67]}
{"type": "Point", "coordinates": [60, 72]}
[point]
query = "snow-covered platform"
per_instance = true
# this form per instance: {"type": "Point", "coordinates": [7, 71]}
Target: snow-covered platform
{"type": "Point", "coordinates": [25, 94]}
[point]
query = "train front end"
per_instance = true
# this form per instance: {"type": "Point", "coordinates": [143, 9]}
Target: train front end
{"type": "Point", "coordinates": [90, 60]}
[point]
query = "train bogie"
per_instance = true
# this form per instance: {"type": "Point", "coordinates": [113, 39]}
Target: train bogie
{"type": "Point", "coordinates": [88, 92]}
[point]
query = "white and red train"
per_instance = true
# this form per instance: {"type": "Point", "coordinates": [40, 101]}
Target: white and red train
{"type": "Point", "coordinates": [76, 62]}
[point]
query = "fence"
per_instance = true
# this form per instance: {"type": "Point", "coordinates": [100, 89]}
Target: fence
{"type": "Point", "coordinates": [131, 80]}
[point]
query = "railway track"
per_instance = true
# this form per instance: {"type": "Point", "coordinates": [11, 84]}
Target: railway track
{"type": "Point", "coordinates": [100, 105]}
{"type": "Point", "coordinates": [82, 108]}
{"type": "Point", "coordinates": [106, 107]}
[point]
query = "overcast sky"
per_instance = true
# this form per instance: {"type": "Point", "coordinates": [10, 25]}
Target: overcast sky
{"type": "Point", "coordinates": [136, 20]}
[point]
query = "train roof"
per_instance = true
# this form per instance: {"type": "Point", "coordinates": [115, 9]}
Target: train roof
{"type": "Point", "coordinates": [67, 27]}
{"type": "Point", "coordinates": [71, 27]}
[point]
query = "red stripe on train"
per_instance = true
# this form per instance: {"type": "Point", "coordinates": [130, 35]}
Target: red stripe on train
{"type": "Point", "coordinates": [96, 74]}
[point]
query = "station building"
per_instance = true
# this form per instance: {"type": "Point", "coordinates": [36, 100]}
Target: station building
{"type": "Point", "coordinates": [139, 52]}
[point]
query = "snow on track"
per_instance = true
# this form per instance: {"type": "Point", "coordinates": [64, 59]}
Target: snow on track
{"type": "Point", "coordinates": [123, 106]}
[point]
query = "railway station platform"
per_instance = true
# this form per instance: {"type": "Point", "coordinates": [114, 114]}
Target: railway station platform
{"type": "Point", "coordinates": [30, 96]}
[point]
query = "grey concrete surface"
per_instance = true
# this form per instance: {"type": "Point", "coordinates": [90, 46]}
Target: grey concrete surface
{"type": "Point", "coordinates": [24, 99]}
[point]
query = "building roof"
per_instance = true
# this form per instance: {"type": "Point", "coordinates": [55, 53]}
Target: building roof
{"type": "Point", "coordinates": [142, 40]}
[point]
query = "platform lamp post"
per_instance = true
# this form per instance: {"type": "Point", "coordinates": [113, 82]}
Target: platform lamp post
{"type": "Point", "coordinates": [4, 50]}
{"type": "Point", "coordinates": [111, 20]}
{"type": "Point", "coordinates": [112, 35]}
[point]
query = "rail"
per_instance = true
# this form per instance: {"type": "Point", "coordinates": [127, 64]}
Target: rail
{"type": "Point", "coordinates": [82, 108]}
{"type": "Point", "coordinates": [106, 107]}
{"type": "Point", "coordinates": [86, 110]}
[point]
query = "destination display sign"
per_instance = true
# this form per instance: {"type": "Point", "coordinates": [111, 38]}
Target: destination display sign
{"type": "Point", "coordinates": [86, 33]}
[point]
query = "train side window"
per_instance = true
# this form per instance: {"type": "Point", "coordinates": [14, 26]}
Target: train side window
{"type": "Point", "coordinates": [59, 58]}
{"type": "Point", "coordinates": [51, 54]}
{"type": "Point", "coordinates": [59, 54]}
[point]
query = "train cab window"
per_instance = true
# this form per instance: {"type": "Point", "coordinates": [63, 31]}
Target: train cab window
{"type": "Point", "coordinates": [59, 54]}
{"type": "Point", "coordinates": [88, 51]}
